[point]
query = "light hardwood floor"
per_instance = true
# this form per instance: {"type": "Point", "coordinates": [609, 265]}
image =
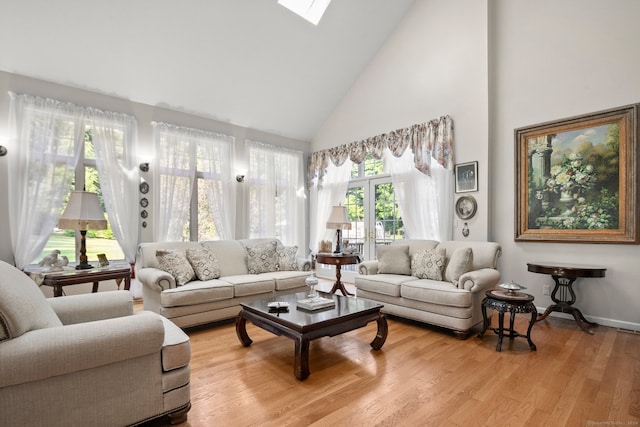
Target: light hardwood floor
{"type": "Point", "coordinates": [423, 376]}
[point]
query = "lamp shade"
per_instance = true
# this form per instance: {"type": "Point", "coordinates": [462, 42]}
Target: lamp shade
{"type": "Point", "coordinates": [83, 212]}
{"type": "Point", "coordinates": [339, 218]}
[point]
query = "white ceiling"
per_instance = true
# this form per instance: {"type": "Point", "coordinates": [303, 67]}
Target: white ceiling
{"type": "Point", "coordinates": [252, 63]}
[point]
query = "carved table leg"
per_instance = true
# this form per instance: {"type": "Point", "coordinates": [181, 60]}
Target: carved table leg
{"type": "Point", "coordinates": [381, 335]}
{"type": "Point", "coordinates": [301, 365]}
{"type": "Point", "coordinates": [241, 330]}
{"type": "Point", "coordinates": [500, 330]}
{"type": "Point", "coordinates": [485, 322]}
{"type": "Point", "coordinates": [534, 314]}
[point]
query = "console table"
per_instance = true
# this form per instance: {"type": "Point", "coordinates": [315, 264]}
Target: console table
{"type": "Point", "coordinates": [71, 276]}
{"type": "Point", "coordinates": [338, 260]}
{"type": "Point", "coordinates": [563, 295]}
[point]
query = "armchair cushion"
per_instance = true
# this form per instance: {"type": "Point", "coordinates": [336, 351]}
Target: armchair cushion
{"type": "Point", "coordinates": [23, 307]}
{"type": "Point", "coordinates": [394, 259]}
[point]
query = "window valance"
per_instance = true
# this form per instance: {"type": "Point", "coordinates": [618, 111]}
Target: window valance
{"type": "Point", "coordinates": [427, 141]}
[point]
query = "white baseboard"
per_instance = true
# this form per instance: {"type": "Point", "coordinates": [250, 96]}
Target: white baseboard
{"type": "Point", "coordinates": [613, 323]}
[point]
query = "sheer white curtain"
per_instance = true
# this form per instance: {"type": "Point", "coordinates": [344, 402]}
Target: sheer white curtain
{"type": "Point", "coordinates": [115, 142]}
{"type": "Point", "coordinates": [425, 202]}
{"type": "Point", "coordinates": [174, 177]}
{"type": "Point", "coordinates": [215, 152]}
{"type": "Point", "coordinates": [275, 184]}
{"type": "Point", "coordinates": [46, 136]}
{"type": "Point", "coordinates": [331, 193]}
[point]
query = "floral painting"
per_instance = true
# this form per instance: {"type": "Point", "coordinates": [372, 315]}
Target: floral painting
{"type": "Point", "coordinates": [576, 179]}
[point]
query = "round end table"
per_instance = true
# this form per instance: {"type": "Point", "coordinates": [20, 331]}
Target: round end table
{"type": "Point", "coordinates": [507, 301]}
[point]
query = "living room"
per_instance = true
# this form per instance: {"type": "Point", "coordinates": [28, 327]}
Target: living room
{"type": "Point", "coordinates": [493, 66]}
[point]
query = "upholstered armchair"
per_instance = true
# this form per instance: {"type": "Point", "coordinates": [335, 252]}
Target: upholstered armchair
{"type": "Point", "coordinates": [86, 360]}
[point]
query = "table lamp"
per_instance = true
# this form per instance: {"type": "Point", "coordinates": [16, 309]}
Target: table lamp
{"type": "Point", "coordinates": [83, 212]}
{"type": "Point", "coordinates": [339, 219]}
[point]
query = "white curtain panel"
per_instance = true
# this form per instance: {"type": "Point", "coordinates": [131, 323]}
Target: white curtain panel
{"type": "Point", "coordinates": [275, 193]}
{"type": "Point", "coordinates": [174, 176]}
{"type": "Point", "coordinates": [425, 202]}
{"type": "Point", "coordinates": [46, 137]}
{"type": "Point", "coordinates": [331, 193]}
{"type": "Point", "coordinates": [115, 141]}
{"type": "Point", "coordinates": [215, 152]}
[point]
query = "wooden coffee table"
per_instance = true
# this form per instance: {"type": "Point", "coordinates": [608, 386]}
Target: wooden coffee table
{"type": "Point", "coordinates": [304, 326]}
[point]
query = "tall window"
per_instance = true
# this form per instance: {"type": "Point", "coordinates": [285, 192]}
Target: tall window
{"type": "Point", "coordinates": [275, 193]}
{"type": "Point", "coordinates": [194, 192]}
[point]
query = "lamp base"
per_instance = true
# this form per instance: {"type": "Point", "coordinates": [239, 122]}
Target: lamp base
{"type": "Point", "coordinates": [83, 266]}
{"type": "Point", "coordinates": [338, 242]}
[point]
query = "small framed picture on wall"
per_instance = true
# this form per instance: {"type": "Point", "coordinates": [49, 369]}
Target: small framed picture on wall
{"type": "Point", "coordinates": [466, 177]}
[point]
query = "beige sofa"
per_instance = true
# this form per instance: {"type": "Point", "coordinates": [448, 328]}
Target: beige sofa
{"type": "Point", "coordinates": [203, 301]}
{"type": "Point", "coordinates": [86, 360]}
{"type": "Point", "coordinates": [467, 268]}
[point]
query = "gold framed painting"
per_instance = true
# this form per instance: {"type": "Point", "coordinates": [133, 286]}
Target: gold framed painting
{"type": "Point", "coordinates": [577, 179]}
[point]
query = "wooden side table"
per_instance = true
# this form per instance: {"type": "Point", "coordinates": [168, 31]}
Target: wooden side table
{"type": "Point", "coordinates": [71, 276]}
{"type": "Point", "coordinates": [338, 260]}
{"type": "Point", "coordinates": [514, 302]}
{"type": "Point", "coordinates": [563, 295]}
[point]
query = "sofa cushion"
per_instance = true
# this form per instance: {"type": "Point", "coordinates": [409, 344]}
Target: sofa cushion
{"type": "Point", "coordinates": [23, 307]}
{"type": "Point", "coordinates": [231, 256]}
{"type": "Point", "coordinates": [251, 284]}
{"type": "Point", "coordinates": [287, 258]}
{"type": "Point", "coordinates": [386, 284]}
{"type": "Point", "coordinates": [435, 292]}
{"type": "Point", "coordinates": [459, 263]}
{"type": "Point", "coordinates": [428, 264]}
{"type": "Point", "coordinates": [287, 279]}
{"type": "Point", "coordinates": [176, 348]}
{"type": "Point", "coordinates": [204, 263]}
{"type": "Point", "coordinates": [196, 292]}
{"type": "Point", "coordinates": [393, 259]}
{"type": "Point", "coordinates": [261, 258]}
{"type": "Point", "coordinates": [177, 265]}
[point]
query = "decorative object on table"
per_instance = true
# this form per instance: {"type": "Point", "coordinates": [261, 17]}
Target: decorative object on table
{"type": "Point", "coordinates": [512, 287]}
{"type": "Point", "coordinates": [339, 220]}
{"type": "Point", "coordinates": [102, 259]}
{"type": "Point", "coordinates": [315, 303]}
{"type": "Point", "coordinates": [83, 212]}
{"type": "Point", "coordinates": [53, 261]}
{"type": "Point", "coordinates": [350, 249]}
{"type": "Point", "coordinates": [325, 246]}
{"type": "Point", "coordinates": [466, 207]}
{"type": "Point", "coordinates": [466, 177]}
{"type": "Point", "coordinates": [576, 179]}
{"type": "Point", "coordinates": [312, 282]}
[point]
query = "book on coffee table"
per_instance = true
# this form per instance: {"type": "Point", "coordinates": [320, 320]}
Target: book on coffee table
{"type": "Point", "coordinates": [316, 303]}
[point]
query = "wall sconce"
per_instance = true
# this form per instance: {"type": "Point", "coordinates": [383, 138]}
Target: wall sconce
{"type": "Point", "coordinates": [3, 150]}
{"type": "Point", "coordinates": [144, 167]}
{"type": "Point", "coordinates": [240, 178]}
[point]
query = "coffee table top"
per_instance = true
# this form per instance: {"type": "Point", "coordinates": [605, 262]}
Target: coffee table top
{"type": "Point", "coordinates": [305, 320]}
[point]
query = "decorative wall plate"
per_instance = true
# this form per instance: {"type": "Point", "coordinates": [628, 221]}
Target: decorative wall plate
{"type": "Point", "coordinates": [144, 214]}
{"type": "Point", "coordinates": [466, 207]}
{"type": "Point", "coordinates": [144, 202]}
{"type": "Point", "coordinates": [144, 188]}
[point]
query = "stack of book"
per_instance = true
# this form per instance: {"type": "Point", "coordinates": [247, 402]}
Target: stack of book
{"type": "Point", "coordinates": [316, 303]}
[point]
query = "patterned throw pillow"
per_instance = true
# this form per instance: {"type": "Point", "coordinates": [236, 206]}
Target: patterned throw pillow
{"type": "Point", "coordinates": [204, 263]}
{"type": "Point", "coordinates": [261, 258]}
{"type": "Point", "coordinates": [428, 264]}
{"type": "Point", "coordinates": [177, 265]}
{"type": "Point", "coordinates": [287, 258]}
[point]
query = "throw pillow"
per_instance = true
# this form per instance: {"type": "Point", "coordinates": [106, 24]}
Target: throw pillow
{"type": "Point", "coordinates": [177, 265]}
{"type": "Point", "coordinates": [393, 259]}
{"type": "Point", "coordinates": [23, 307]}
{"type": "Point", "coordinates": [287, 258]}
{"type": "Point", "coordinates": [204, 263]}
{"type": "Point", "coordinates": [459, 263]}
{"type": "Point", "coordinates": [428, 264]}
{"type": "Point", "coordinates": [261, 258]}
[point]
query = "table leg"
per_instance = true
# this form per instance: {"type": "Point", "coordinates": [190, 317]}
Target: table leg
{"type": "Point", "coordinates": [95, 287]}
{"type": "Point", "coordinates": [339, 286]}
{"type": "Point", "coordinates": [500, 330]}
{"type": "Point", "coordinates": [564, 302]}
{"type": "Point", "coordinates": [301, 366]}
{"type": "Point", "coordinates": [381, 335]}
{"type": "Point", "coordinates": [534, 314]}
{"type": "Point", "coordinates": [241, 330]}
{"type": "Point", "coordinates": [57, 291]}
{"type": "Point", "coordinates": [485, 323]}
{"type": "Point", "coordinates": [127, 283]}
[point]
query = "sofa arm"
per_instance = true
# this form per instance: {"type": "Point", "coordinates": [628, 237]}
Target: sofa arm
{"type": "Point", "coordinates": [156, 279]}
{"type": "Point", "coordinates": [479, 280]}
{"type": "Point", "coordinates": [304, 264]}
{"type": "Point", "coordinates": [368, 267]}
{"type": "Point", "coordinates": [61, 350]}
{"type": "Point", "coordinates": [89, 307]}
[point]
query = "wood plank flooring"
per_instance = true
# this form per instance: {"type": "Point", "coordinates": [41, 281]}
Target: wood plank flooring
{"type": "Point", "coordinates": [423, 376]}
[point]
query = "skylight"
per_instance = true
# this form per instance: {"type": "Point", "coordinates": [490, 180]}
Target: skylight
{"type": "Point", "coordinates": [311, 10]}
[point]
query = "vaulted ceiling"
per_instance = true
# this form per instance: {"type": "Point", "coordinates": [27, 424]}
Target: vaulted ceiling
{"type": "Point", "coordinates": [252, 63]}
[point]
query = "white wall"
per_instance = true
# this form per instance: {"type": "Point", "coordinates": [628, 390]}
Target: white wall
{"type": "Point", "coordinates": [144, 115]}
{"type": "Point", "coordinates": [553, 59]}
{"type": "Point", "coordinates": [434, 64]}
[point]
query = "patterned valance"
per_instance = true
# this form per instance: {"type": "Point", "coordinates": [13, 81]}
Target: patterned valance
{"type": "Point", "coordinates": [431, 140]}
